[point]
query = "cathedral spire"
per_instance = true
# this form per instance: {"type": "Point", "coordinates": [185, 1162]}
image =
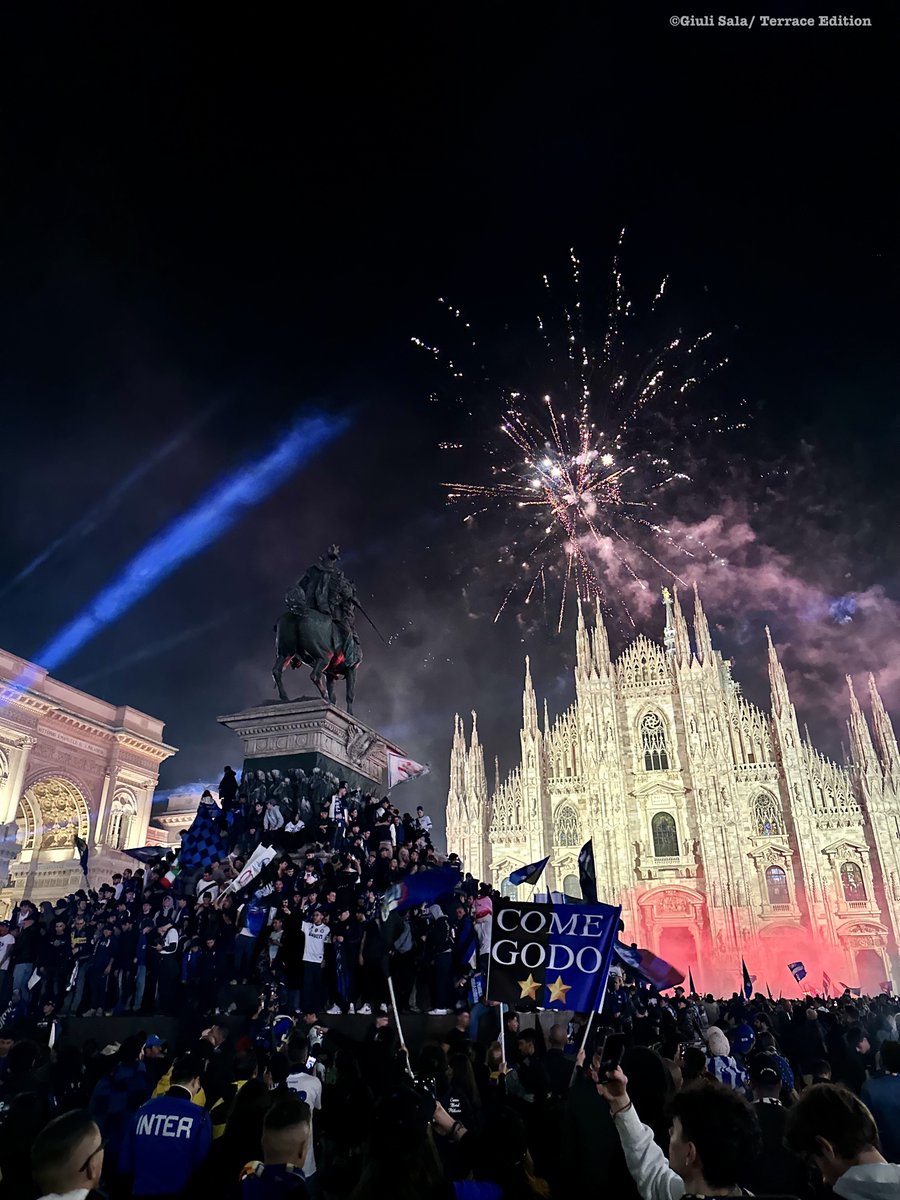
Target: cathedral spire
{"type": "Point", "coordinates": [781, 699]}
{"type": "Point", "coordinates": [702, 639]}
{"type": "Point", "coordinates": [860, 738]}
{"type": "Point", "coordinates": [475, 761]}
{"type": "Point", "coordinates": [546, 718]}
{"type": "Point", "coordinates": [602, 661]}
{"type": "Point", "coordinates": [583, 661]}
{"type": "Point", "coordinates": [458, 759]}
{"type": "Point", "coordinates": [529, 702]}
{"type": "Point", "coordinates": [677, 641]}
{"type": "Point", "coordinates": [885, 738]}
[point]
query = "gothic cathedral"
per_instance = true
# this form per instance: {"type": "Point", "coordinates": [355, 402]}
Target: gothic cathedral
{"type": "Point", "coordinates": [719, 829]}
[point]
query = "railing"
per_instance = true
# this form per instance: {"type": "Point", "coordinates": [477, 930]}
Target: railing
{"type": "Point", "coordinates": [857, 904]}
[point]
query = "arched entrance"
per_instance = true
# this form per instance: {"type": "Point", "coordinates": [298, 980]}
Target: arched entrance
{"type": "Point", "coordinates": [870, 971]}
{"type": "Point", "coordinates": [678, 946]}
{"type": "Point", "coordinates": [53, 812]}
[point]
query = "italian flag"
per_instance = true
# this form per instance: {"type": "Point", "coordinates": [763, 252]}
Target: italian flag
{"type": "Point", "coordinates": [171, 875]}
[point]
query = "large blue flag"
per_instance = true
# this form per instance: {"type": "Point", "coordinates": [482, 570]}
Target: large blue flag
{"type": "Point", "coordinates": [554, 958]}
{"type": "Point", "coordinates": [422, 888]}
{"type": "Point", "coordinates": [649, 966]}
{"type": "Point", "coordinates": [202, 844]}
{"type": "Point", "coordinates": [798, 971]}
{"type": "Point", "coordinates": [530, 874]}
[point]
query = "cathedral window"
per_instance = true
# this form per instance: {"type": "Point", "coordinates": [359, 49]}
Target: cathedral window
{"type": "Point", "coordinates": [767, 816]}
{"type": "Point", "coordinates": [665, 836]}
{"type": "Point", "coordinates": [571, 887]}
{"type": "Point", "coordinates": [852, 882]}
{"type": "Point", "coordinates": [654, 745]}
{"type": "Point", "coordinates": [566, 826]}
{"type": "Point", "coordinates": [777, 886]}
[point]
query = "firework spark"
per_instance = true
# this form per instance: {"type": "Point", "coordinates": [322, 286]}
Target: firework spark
{"type": "Point", "coordinates": [578, 476]}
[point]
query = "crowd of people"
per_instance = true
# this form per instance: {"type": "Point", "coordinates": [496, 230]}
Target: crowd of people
{"type": "Point", "coordinates": [258, 1095]}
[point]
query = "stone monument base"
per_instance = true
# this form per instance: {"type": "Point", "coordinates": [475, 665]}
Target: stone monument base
{"type": "Point", "coordinates": [310, 733]}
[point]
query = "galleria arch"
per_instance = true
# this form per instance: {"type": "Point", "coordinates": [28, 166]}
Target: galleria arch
{"type": "Point", "coordinates": [71, 766]}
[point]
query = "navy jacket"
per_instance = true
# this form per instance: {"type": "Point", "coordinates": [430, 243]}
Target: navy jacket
{"type": "Point", "coordinates": [167, 1141]}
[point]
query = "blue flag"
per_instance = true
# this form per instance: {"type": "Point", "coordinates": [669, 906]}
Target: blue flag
{"type": "Point", "coordinates": [84, 854]}
{"type": "Point", "coordinates": [798, 971]}
{"type": "Point", "coordinates": [587, 873]}
{"type": "Point", "coordinates": [530, 874]}
{"type": "Point", "coordinates": [554, 958]}
{"type": "Point", "coordinates": [649, 966]}
{"type": "Point", "coordinates": [202, 844]}
{"type": "Point", "coordinates": [747, 980]}
{"type": "Point", "coordinates": [422, 888]}
{"type": "Point", "coordinates": [146, 854]}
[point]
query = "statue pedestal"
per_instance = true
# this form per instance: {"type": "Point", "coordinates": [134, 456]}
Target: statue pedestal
{"type": "Point", "coordinates": [312, 733]}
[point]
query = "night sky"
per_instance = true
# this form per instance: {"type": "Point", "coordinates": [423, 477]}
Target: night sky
{"type": "Point", "coordinates": [215, 222]}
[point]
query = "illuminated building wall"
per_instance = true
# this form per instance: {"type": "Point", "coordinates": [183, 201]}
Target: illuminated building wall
{"type": "Point", "coordinates": [720, 830]}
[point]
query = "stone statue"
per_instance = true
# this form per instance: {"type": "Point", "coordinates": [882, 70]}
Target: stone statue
{"type": "Point", "coordinates": [319, 628]}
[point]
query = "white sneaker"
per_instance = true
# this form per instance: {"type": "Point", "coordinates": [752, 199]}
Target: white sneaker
{"type": "Point", "coordinates": [366, 1010]}
{"type": "Point", "coordinates": [382, 1008]}
{"type": "Point", "coordinates": [351, 1010]}
{"type": "Point", "coordinates": [334, 1010]}
{"type": "Point", "coordinates": [438, 1012]}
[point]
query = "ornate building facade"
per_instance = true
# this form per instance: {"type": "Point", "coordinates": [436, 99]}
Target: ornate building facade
{"type": "Point", "coordinates": [70, 766]}
{"type": "Point", "coordinates": [719, 828]}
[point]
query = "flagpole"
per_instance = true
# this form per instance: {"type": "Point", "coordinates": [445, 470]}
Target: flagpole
{"type": "Point", "coordinates": [396, 1012]}
{"type": "Point", "coordinates": [599, 1008]}
{"type": "Point", "coordinates": [502, 1033]}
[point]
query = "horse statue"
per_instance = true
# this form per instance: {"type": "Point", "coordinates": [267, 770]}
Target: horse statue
{"type": "Point", "coordinates": [316, 640]}
{"type": "Point", "coordinates": [319, 629]}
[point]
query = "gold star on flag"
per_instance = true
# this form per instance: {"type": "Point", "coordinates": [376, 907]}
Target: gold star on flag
{"type": "Point", "coordinates": [528, 987]}
{"type": "Point", "coordinates": [558, 990]}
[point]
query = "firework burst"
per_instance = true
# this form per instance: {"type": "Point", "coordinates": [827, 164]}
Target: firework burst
{"type": "Point", "coordinates": [578, 474]}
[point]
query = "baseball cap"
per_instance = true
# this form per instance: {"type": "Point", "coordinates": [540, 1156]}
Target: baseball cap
{"type": "Point", "coordinates": [153, 1040]}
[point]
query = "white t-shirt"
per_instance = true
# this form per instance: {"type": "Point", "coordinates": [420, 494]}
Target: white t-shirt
{"type": "Point", "coordinates": [308, 1088]}
{"type": "Point", "coordinates": [316, 937]}
{"type": "Point", "coordinates": [6, 944]}
{"type": "Point", "coordinates": [208, 885]}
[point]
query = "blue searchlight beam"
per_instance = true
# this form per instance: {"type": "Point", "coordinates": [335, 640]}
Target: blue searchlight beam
{"type": "Point", "coordinates": [212, 515]}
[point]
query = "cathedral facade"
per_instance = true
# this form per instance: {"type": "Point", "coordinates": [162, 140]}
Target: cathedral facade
{"type": "Point", "coordinates": [719, 828]}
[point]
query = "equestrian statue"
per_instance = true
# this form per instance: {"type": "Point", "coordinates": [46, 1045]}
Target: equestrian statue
{"type": "Point", "coordinates": [319, 629]}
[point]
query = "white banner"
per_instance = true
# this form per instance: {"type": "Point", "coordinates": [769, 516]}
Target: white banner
{"type": "Point", "coordinates": [400, 769]}
{"type": "Point", "coordinates": [261, 857]}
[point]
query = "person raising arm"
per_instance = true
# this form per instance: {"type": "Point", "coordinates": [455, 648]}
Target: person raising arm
{"type": "Point", "coordinates": [714, 1132]}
